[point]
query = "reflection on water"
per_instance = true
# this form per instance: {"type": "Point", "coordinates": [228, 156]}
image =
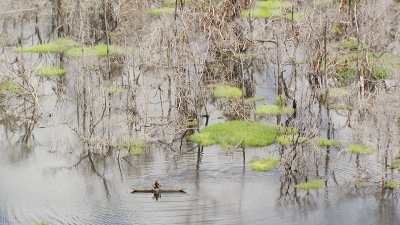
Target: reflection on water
{"type": "Point", "coordinates": [43, 188]}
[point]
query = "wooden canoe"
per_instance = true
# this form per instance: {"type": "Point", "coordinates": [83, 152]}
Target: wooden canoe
{"type": "Point", "coordinates": [136, 190]}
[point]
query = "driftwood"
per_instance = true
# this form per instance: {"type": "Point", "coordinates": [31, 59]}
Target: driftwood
{"type": "Point", "coordinates": [134, 190]}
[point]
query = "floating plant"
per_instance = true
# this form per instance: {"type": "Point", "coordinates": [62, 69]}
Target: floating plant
{"type": "Point", "coordinates": [225, 91]}
{"type": "Point", "coordinates": [116, 90]}
{"type": "Point", "coordinates": [236, 133]}
{"type": "Point", "coordinates": [51, 72]}
{"type": "Point", "coordinates": [135, 147]}
{"type": "Point", "coordinates": [167, 7]}
{"type": "Point", "coordinates": [266, 9]}
{"type": "Point", "coordinates": [311, 185]}
{"type": "Point", "coordinates": [101, 50]}
{"type": "Point", "coordinates": [273, 110]}
{"type": "Point", "coordinates": [338, 92]}
{"type": "Point", "coordinates": [58, 46]}
{"type": "Point", "coordinates": [380, 72]}
{"type": "Point", "coordinates": [395, 164]}
{"type": "Point", "coordinates": [392, 184]}
{"type": "Point", "coordinates": [290, 139]}
{"type": "Point", "coordinates": [9, 87]}
{"type": "Point", "coordinates": [284, 130]}
{"type": "Point", "coordinates": [328, 143]}
{"type": "Point", "coordinates": [160, 11]}
{"type": "Point", "coordinates": [360, 149]}
{"type": "Point", "coordinates": [351, 44]}
{"type": "Point", "coordinates": [264, 165]}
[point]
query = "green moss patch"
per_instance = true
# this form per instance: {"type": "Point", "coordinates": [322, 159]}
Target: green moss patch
{"type": "Point", "coordinates": [135, 147]}
{"type": "Point", "coordinates": [311, 185]}
{"type": "Point", "coordinates": [327, 143]}
{"type": "Point", "coordinates": [360, 149]}
{"type": "Point", "coordinates": [338, 92]}
{"type": "Point", "coordinates": [9, 87]}
{"type": "Point", "coordinates": [290, 139]}
{"type": "Point", "coordinates": [116, 90]}
{"type": "Point", "coordinates": [266, 9]}
{"type": "Point", "coordinates": [58, 46]}
{"type": "Point", "coordinates": [160, 11]}
{"type": "Point", "coordinates": [273, 110]}
{"type": "Point", "coordinates": [351, 44]}
{"type": "Point", "coordinates": [51, 72]}
{"type": "Point", "coordinates": [101, 50]}
{"type": "Point", "coordinates": [225, 91]}
{"type": "Point", "coordinates": [395, 164]}
{"type": "Point", "coordinates": [392, 184]}
{"type": "Point", "coordinates": [236, 133]}
{"type": "Point", "coordinates": [284, 130]}
{"type": "Point", "coordinates": [264, 165]}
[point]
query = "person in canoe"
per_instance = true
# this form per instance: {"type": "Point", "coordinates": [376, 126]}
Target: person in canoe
{"type": "Point", "coordinates": [156, 190]}
{"type": "Point", "coordinates": [156, 185]}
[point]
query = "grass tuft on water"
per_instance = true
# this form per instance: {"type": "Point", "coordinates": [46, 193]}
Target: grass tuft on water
{"type": "Point", "coordinates": [160, 11]}
{"type": "Point", "coordinates": [50, 72]}
{"type": "Point", "coordinates": [266, 9]}
{"type": "Point", "coordinates": [264, 165]}
{"type": "Point", "coordinates": [226, 91]}
{"type": "Point", "coordinates": [395, 164]}
{"type": "Point", "coordinates": [290, 139]}
{"type": "Point", "coordinates": [327, 143]}
{"type": "Point", "coordinates": [135, 147]}
{"type": "Point", "coordinates": [58, 46]}
{"type": "Point", "coordinates": [273, 110]}
{"type": "Point", "coordinates": [9, 87]}
{"type": "Point", "coordinates": [392, 184]}
{"type": "Point", "coordinates": [360, 149]}
{"type": "Point", "coordinates": [116, 90]}
{"type": "Point", "coordinates": [101, 50]}
{"type": "Point", "coordinates": [236, 133]}
{"type": "Point", "coordinates": [311, 185]}
{"type": "Point", "coordinates": [351, 44]}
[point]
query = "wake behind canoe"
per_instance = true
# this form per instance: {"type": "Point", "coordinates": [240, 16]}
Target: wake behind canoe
{"type": "Point", "coordinates": [135, 190]}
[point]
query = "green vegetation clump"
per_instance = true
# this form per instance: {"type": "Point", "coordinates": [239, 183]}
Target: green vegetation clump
{"type": "Point", "coordinates": [135, 147]}
{"type": "Point", "coordinates": [225, 91]}
{"type": "Point", "coordinates": [236, 133]}
{"type": "Point", "coordinates": [9, 87]}
{"type": "Point", "coordinates": [116, 90]}
{"type": "Point", "coordinates": [284, 130]}
{"type": "Point", "coordinates": [346, 73]}
{"type": "Point", "coordinates": [379, 73]}
{"type": "Point", "coordinates": [51, 72]}
{"type": "Point", "coordinates": [273, 110]}
{"type": "Point", "coordinates": [58, 46]}
{"type": "Point", "coordinates": [392, 184]}
{"type": "Point", "coordinates": [338, 92]}
{"type": "Point", "coordinates": [360, 149]}
{"type": "Point", "coordinates": [311, 185]}
{"type": "Point", "coordinates": [101, 50]}
{"type": "Point", "coordinates": [395, 164]}
{"type": "Point", "coordinates": [264, 165]}
{"type": "Point", "coordinates": [327, 143]}
{"type": "Point", "coordinates": [160, 11]}
{"type": "Point", "coordinates": [351, 44]}
{"type": "Point", "coordinates": [266, 9]}
{"type": "Point", "coordinates": [290, 139]}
